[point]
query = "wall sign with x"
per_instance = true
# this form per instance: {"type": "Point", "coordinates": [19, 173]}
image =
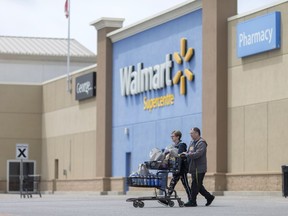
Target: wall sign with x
{"type": "Point", "coordinates": [22, 151]}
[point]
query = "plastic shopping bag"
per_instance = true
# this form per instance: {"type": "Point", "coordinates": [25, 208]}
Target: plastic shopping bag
{"type": "Point", "coordinates": [156, 155]}
{"type": "Point", "coordinates": [142, 170]}
{"type": "Point", "coordinates": [173, 152]}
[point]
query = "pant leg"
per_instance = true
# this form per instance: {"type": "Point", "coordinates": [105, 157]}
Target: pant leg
{"type": "Point", "coordinates": [194, 188]}
{"type": "Point", "coordinates": [198, 187]}
{"type": "Point", "coordinates": [185, 183]}
{"type": "Point", "coordinates": [173, 182]}
{"type": "Point", "coordinates": [202, 189]}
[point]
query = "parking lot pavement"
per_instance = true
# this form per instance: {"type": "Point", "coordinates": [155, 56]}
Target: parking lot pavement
{"type": "Point", "coordinates": [89, 204]}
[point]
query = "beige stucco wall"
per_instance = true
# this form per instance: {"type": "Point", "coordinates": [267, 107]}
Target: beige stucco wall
{"type": "Point", "coordinates": [257, 111]}
{"type": "Point", "coordinates": [55, 126]}
{"type": "Point", "coordinates": [20, 117]}
{"type": "Point", "coordinates": [69, 132]}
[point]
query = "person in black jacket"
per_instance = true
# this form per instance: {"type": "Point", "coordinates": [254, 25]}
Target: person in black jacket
{"type": "Point", "coordinates": [182, 147]}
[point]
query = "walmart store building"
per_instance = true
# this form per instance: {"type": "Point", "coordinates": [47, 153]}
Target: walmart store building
{"type": "Point", "coordinates": [197, 64]}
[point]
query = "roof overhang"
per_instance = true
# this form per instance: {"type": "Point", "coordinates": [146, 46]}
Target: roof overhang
{"type": "Point", "coordinates": [158, 19]}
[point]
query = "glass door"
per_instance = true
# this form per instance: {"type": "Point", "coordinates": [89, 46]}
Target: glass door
{"type": "Point", "coordinates": [13, 173]}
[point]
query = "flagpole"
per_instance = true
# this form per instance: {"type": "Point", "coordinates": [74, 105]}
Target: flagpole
{"type": "Point", "coordinates": [69, 81]}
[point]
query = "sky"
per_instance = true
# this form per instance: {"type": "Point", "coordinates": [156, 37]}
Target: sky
{"type": "Point", "coordinates": [46, 18]}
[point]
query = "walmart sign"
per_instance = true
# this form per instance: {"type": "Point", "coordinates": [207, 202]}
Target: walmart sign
{"type": "Point", "coordinates": [259, 34]}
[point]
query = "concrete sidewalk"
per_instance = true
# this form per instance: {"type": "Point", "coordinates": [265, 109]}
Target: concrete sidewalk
{"type": "Point", "coordinates": [91, 204]}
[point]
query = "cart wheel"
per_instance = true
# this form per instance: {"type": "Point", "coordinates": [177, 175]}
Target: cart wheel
{"type": "Point", "coordinates": [181, 203]}
{"type": "Point", "coordinates": [135, 204]}
{"type": "Point", "coordinates": [171, 203]}
{"type": "Point", "coordinates": [30, 195]}
{"type": "Point", "coordinates": [141, 204]}
{"type": "Point", "coordinates": [24, 196]}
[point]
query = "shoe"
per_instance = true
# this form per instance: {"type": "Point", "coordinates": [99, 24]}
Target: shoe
{"type": "Point", "coordinates": [190, 204]}
{"type": "Point", "coordinates": [209, 201]}
{"type": "Point", "coordinates": [163, 202]}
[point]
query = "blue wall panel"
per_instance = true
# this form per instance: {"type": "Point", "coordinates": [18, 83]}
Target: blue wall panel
{"type": "Point", "coordinates": [148, 129]}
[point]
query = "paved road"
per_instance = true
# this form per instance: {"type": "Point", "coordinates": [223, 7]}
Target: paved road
{"type": "Point", "coordinates": [81, 204]}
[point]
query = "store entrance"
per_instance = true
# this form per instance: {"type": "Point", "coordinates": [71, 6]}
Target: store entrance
{"type": "Point", "coordinates": [13, 173]}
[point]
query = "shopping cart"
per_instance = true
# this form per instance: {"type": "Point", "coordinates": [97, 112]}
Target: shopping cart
{"type": "Point", "coordinates": [31, 185]}
{"type": "Point", "coordinates": [156, 181]}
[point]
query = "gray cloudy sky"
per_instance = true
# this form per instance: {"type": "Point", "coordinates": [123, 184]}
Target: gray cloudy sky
{"type": "Point", "coordinates": [45, 18]}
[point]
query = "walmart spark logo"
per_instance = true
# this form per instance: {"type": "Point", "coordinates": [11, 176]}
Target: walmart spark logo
{"type": "Point", "coordinates": [186, 55]}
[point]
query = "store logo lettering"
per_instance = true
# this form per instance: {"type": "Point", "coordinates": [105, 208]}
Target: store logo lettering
{"type": "Point", "coordinates": [158, 76]}
{"type": "Point", "coordinates": [84, 87]}
{"type": "Point", "coordinates": [145, 79]}
{"type": "Point", "coordinates": [256, 37]}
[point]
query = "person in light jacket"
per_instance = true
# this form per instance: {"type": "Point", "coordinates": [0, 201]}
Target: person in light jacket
{"type": "Point", "coordinates": [197, 160]}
